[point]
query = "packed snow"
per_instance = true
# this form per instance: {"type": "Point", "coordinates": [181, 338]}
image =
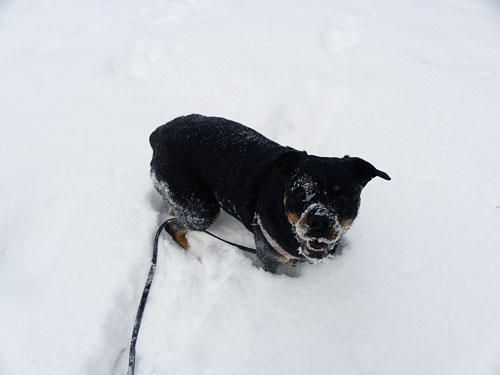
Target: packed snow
{"type": "Point", "coordinates": [411, 86]}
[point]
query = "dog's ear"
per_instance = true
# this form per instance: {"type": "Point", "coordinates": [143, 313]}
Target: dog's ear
{"type": "Point", "coordinates": [289, 161]}
{"type": "Point", "coordinates": [364, 170]}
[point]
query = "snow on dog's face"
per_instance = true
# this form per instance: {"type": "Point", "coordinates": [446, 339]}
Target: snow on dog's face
{"type": "Point", "coordinates": [321, 200]}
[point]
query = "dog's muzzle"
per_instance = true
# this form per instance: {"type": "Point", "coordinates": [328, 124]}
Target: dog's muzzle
{"type": "Point", "coordinates": [318, 231]}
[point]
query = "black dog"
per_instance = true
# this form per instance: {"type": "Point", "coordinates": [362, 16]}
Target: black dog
{"type": "Point", "coordinates": [297, 205]}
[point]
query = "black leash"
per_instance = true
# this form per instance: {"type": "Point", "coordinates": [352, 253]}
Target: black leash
{"type": "Point", "coordinates": [241, 247]}
{"type": "Point", "coordinates": [144, 298]}
{"type": "Point", "coordinates": [147, 287]}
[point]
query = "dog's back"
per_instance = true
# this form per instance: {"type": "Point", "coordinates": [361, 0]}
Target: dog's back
{"type": "Point", "coordinates": [223, 157]}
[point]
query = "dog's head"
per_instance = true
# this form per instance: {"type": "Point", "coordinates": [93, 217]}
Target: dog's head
{"type": "Point", "coordinates": [322, 197]}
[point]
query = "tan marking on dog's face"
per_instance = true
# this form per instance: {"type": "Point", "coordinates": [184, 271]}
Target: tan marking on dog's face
{"type": "Point", "coordinates": [333, 236]}
{"type": "Point", "coordinates": [336, 188]}
{"type": "Point", "coordinates": [345, 223]}
{"type": "Point", "coordinates": [292, 218]}
{"type": "Point", "coordinates": [303, 221]}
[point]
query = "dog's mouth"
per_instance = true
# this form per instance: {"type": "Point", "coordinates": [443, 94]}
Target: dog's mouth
{"type": "Point", "coordinates": [317, 245]}
{"type": "Point", "coordinates": [314, 249]}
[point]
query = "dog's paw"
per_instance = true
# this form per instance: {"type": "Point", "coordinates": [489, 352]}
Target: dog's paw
{"type": "Point", "coordinates": [175, 230]}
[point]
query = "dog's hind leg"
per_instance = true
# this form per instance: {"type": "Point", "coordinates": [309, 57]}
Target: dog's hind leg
{"type": "Point", "coordinates": [194, 207]}
{"type": "Point", "coordinates": [178, 233]}
{"type": "Point", "coordinates": [186, 219]}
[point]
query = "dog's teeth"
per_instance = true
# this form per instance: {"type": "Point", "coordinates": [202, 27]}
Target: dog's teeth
{"type": "Point", "coordinates": [314, 248]}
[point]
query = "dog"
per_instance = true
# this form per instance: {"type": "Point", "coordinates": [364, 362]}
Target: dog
{"type": "Point", "coordinates": [297, 206]}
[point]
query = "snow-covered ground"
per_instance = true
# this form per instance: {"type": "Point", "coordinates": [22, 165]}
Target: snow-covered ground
{"type": "Point", "coordinates": [411, 86]}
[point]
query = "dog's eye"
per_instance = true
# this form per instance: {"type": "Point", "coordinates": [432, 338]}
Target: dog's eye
{"type": "Point", "coordinates": [300, 193]}
{"type": "Point", "coordinates": [303, 192]}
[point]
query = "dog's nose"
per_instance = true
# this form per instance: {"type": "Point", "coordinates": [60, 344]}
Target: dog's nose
{"type": "Point", "coordinates": [318, 222]}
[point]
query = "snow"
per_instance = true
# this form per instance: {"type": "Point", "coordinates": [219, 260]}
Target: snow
{"type": "Point", "coordinates": [410, 86]}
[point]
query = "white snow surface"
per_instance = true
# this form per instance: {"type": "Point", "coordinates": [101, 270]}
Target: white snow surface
{"type": "Point", "coordinates": [411, 86]}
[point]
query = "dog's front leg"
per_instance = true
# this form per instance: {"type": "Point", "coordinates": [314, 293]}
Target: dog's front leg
{"type": "Point", "coordinates": [265, 252]}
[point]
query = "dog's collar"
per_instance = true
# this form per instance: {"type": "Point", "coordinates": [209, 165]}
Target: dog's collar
{"type": "Point", "coordinates": [275, 245]}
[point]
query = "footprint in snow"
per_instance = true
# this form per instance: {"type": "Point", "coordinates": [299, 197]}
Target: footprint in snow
{"type": "Point", "coordinates": [340, 35]}
{"type": "Point", "coordinates": [136, 60]}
